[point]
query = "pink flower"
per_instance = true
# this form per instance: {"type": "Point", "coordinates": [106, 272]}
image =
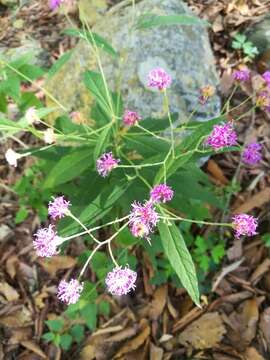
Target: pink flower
{"type": "Point", "coordinates": [266, 76]}
{"type": "Point", "coordinates": [222, 135]}
{"type": "Point", "coordinates": [161, 193]}
{"type": "Point", "coordinates": [143, 219]}
{"type": "Point", "coordinates": [244, 225]}
{"type": "Point", "coordinates": [58, 208]}
{"type": "Point", "coordinates": [69, 292]}
{"type": "Point", "coordinates": [46, 242]}
{"type": "Point", "coordinates": [121, 281]}
{"type": "Point", "coordinates": [241, 75]}
{"type": "Point", "coordinates": [106, 163]}
{"type": "Point", "coordinates": [159, 79]}
{"type": "Point", "coordinates": [130, 118]}
{"type": "Point", "coordinates": [54, 4]}
{"type": "Point", "coordinates": [263, 100]}
{"type": "Point", "coordinates": [252, 154]}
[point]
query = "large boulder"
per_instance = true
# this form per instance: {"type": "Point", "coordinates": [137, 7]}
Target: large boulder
{"type": "Point", "coordinates": [184, 51]}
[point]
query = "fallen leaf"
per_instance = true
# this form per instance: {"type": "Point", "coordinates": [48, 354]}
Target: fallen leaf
{"type": "Point", "coordinates": [136, 342]}
{"type": "Point", "coordinates": [20, 318]}
{"type": "Point", "coordinates": [188, 318]}
{"type": "Point", "coordinates": [8, 291]}
{"type": "Point", "coordinates": [30, 345]}
{"type": "Point", "coordinates": [158, 303]}
{"type": "Point", "coordinates": [204, 333]}
{"type": "Point", "coordinates": [124, 334]}
{"type": "Point", "coordinates": [225, 271]}
{"type": "Point", "coordinates": [11, 265]}
{"type": "Point", "coordinates": [252, 354]}
{"type": "Point", "coordinates": [260, 271]}
{"type": "Point", "coordinates": [215, 170]}
{"type": "Point", "coordinates": [265, 326]}
{"type": "Point", "coordinates": [57, 263]}
{"type": "Point", "coordinates": [255, 201]}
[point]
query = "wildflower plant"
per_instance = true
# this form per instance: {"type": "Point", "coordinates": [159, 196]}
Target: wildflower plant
{"type": "Point", "coordinates": [120, 181]}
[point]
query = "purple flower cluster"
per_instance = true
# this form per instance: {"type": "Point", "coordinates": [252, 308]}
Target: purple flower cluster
{"type": "Point", "coordinates": [69, 292]}
{"type": "Point", "coordinates": [106, 163]}
{"type": "Point", "coordinates": [242, 75]}
{"type": "Point", "coordinates": [252, 154]}
{"type": "Point", "coordinates": [161, 193]}
{"type": "Point", "coordinates": [54, 4]}
{"type": "Point", "coordinates": [221, 136]}
{"type": "Point", "coordinates": [46, 241]}
{"type": "Point", "coordinates": [159, 79]}
{"type": "Point", "coordinates": [244, 225]}
{"type": "Point", "coordinates": [143, 219]}
{"type": "Point", "coordinates": [58, 208]}
{"type": "Point", "coordinates": [130, 118]}
{"type": "Point", "coordinates": [121, 281]}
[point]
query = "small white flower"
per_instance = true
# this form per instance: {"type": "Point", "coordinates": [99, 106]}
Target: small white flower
{"type": "Point", "coordinates": [31, 116]}
{"type": "Point", "coordinates": [12, 157]}
{"type": "Point", "coordinates": [49, 136]}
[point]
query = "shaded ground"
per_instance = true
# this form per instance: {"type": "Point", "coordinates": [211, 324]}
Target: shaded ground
{"type": "Point", "coordinates": [156, 322]}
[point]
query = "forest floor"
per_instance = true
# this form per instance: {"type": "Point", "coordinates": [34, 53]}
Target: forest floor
{"type": "Point", "coordinates": [158, 322]}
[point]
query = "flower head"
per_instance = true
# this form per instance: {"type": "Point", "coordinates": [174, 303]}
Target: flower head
{"type": "Point", "coordinates": [244, 225]}
{"type": "Point", "coordinates": [205, 93]}
{"type": "Point", "coordinates": [58, 208]}
{"type": "Point", "coordinates": [252, 154]}
{"type": "Point", "coordinates": [266, 77]}
{"type": "Point", "coordinates": [77, 118]}
{"type": "Point", "coordinates": [142, 218]}
{"type": "Point", "coordinates": [241, 75]}
{"type": "Point", "coordinates": [12, 157]}
{"type": "Point", "coordinates": [161, 193]}
{"type": "Point", "coordinates": [31, 116]}
{"type": "Point", "coordinates": [69, 292]}
{"type": "Point", "coordinates": [222, 135]}
{"type": "Point", "coordinates": [159, 79]}
{"type": "Point", "coordinates": [54, 4]}
{"type": "Point", "coordinates": [106, 163]}
{"type": "Point", "coordinates": [46, 242]}
{"type": "Point", "coordinates": [121, 281]}
{"type": "Point", "coordinates": [130, 118]}
{"type": "Point", "coordinates": [49, 136]}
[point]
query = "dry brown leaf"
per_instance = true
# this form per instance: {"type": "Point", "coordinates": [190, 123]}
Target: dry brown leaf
{"type": "Point", "coordinates": [124, 334]}
{"type": "Point", "coordinates": [260, 271]}
{"type": "Point", "coordinates": [20, 318]}
{"type": "Point", "coordinates": [203, 333]}
{"type": "Point", "coordinates": [88, 353]}
{"type": "Point", "coordinates": [20, 334]}
{"type": "Point", "coordinates": [156, 353]}
{"type": "Point", "coordinates": [265, 326]}
{"type": "Point", "coordinates": [158, 303]}
{"type": "Point", "coordinates": [30, 345]}
{"type": "Point", "coordinates": [136, 342]}
{"type": "Point", "coordinates": [57, 263]}
{"type": "Point", "coordinates": [256, 201]}
{"type": "Point", "coordinates": [252, 354]}
{"type": "Point", "coordinates": [187, 318]}
{"type": "Point", "coordinates": [8, 291]}
{"type": "Point", "coordinates": [215, 170]}
{"type": "Point", "coordinates": [11, 265]}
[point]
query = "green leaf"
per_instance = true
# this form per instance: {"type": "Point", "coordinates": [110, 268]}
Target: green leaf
{"type": "Point", "coordinates": [65, 341]}
{"type": "Point", "coordinates": [102, 142]}
{"type": "Point", "coordinates": [217, 253]}
{"type": "Point", "coordinates": [95, 210]}
{"type": "Point", "coordinates": [147, 21]}
{"type": "Point", "coordinates": [49, 336]}
{"type": "Point", "coordinates": [55, 325]}
{"type": "Point", "coordinates": [69, 167]}
{"type": "Point", "coordinates": [21, 215]}
{"type": "Point", "coordinates": [93, 38]}
{"type": "Point", "coordinates": [77, 332]}
{"type": "Point", "coordinates": [89, 313]}
{"type": "Point", "coordinates": [104, 308]}
{"type": "Point", "coordinates": [95, 84]}
{"type": "Point", "coordinates": [180, 258]}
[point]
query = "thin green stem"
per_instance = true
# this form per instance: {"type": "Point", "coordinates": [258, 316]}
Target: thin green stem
{"type": "Point", "coordinates": [83, 226]}
{"type": "Point", "coordinates": [151, 133]}
{"type": "Point", "coordinates": [140, 166]}
{"type": "Point", "coordinates": [166, 99]}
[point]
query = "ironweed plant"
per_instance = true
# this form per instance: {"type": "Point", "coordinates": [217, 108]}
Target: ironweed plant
{"type": "Point", "coordinates": [122, 181]}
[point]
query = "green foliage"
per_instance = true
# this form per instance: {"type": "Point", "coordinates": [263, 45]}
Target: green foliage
{"type": "Point", "coordinates": [240, 42]}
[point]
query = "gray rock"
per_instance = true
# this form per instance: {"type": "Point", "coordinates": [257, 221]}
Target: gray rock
{"type": "Point", "coordinates": [184, 51]}
{"type": "Point", "coordinates": [259, 34]}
